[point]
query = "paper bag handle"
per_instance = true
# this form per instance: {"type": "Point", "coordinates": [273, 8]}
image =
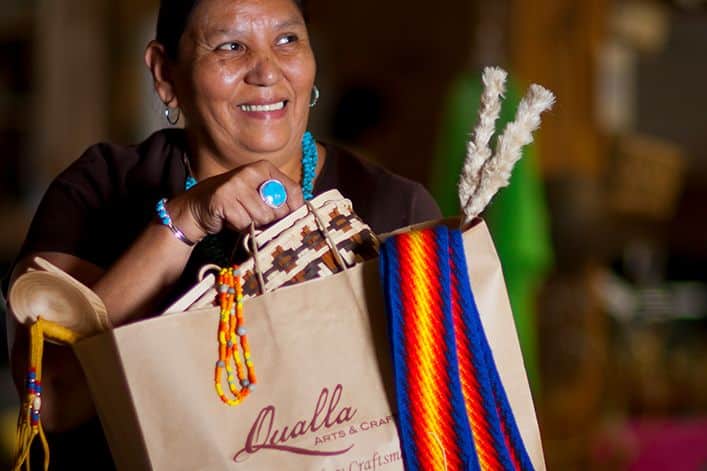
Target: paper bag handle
{"type": "Point", "coordinates": [330, 241]}
{"type": "Point", "coordinates": [256, 263]}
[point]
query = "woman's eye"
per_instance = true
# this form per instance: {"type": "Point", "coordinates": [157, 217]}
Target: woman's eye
{"type": "Point", "coordinates": [286, 39]}
{"type": "Point", "coordinates": [231, 46]}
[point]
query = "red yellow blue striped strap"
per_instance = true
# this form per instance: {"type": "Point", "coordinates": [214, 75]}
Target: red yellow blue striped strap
{"type": "Point", "coordinates": [453, 410]}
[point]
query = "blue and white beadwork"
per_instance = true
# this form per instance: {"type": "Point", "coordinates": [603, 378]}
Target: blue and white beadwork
{"type": "Point", "coordinates": [162, 212]}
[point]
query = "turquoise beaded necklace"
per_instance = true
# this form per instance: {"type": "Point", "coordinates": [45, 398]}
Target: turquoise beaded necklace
{"type": "Point", "coordinates": [310, 157]}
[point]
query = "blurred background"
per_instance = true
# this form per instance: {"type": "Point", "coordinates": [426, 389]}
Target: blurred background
{"type": "Point", "coordinates": [602, 233]}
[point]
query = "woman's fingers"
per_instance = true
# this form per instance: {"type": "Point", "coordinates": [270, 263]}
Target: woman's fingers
{"type": "Point", "coordinates": [245, 201]}
{"type": "Point", "coordinates": [260, 213]}
{"type": "Point", "coordinates": [237, 217]}
{"type": "Point", "coordinates": [233, 199]}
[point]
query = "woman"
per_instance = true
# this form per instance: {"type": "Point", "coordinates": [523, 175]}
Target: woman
{"type": "Point", "coordinates": [241, 73]}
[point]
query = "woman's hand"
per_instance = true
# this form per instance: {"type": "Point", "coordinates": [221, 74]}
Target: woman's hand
{"type": "Point", "coordinates": [231, 200]}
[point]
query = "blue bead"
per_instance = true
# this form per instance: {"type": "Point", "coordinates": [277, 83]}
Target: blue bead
{"type": "Point", "coordinates": [162, 212]}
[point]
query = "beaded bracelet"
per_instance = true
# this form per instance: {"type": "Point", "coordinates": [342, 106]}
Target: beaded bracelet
{"type": "Point", "coordinates": [167, 221]}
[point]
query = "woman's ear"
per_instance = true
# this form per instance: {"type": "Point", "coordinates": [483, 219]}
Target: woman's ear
{"type": "Point", "coordinates": [157, 61]}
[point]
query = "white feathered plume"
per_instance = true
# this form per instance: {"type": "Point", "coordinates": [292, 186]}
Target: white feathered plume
{"type": "Point", "coordinates": [478, 150]}
{"type": "Point", "coordinates": [483, 174]}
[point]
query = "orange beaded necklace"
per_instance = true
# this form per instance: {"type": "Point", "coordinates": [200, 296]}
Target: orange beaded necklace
{"type": "Point", "coordinates": [231, 333]}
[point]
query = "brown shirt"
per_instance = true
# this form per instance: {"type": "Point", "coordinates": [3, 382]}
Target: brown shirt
{"type": "Point", "coordinates": [98, 206]}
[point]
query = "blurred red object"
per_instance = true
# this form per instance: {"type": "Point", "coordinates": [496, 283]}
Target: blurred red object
{"type": "Point", "coordinates": [654, 445]}
{"type": "Point", "coordinates": [678, 445]}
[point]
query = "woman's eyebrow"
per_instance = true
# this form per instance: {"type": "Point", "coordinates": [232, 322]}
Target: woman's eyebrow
{"type": "Point", "coordinates": [290, 22]}
{"type": "Point", "coordinates": [279, 25]}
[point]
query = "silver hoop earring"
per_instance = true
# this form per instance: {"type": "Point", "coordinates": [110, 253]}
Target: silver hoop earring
{"type": "Point", "coordinates": [171, 118]}
{"type": "Point", "coordinates": [315, 97]}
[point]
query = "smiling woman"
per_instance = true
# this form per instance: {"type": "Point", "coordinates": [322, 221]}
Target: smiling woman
{"type": "Point", "coordinates": [139, 221]}
{"type": "Point", "coordinates": [243, 74]}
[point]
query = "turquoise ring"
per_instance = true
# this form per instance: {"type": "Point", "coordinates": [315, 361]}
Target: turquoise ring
{"type": "Point", "coordinates": [273, 193]}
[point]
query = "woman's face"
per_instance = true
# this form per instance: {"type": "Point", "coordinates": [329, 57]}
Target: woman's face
{"type": "Point", "coordinates": [245, 75]}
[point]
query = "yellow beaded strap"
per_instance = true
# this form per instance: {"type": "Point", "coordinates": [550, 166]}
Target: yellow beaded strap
{"type": "Point", "coordinates": [231, 334]}
{"type": "Point", "coordinates": [29, 425]}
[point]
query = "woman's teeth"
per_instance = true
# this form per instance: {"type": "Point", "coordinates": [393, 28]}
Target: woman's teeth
{"type": "Point", "coordinates": [271, 107]}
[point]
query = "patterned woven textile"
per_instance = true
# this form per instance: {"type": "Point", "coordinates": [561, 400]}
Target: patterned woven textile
{"type": "Point", "coordinates": [453, 410]}
{"type": "Point", "coordinates": [299, 247]}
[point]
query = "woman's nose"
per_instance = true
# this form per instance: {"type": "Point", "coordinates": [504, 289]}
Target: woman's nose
{"type": "Point", "coordinates": [264, 72]}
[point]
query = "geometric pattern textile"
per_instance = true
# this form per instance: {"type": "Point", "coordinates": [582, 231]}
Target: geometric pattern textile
{"type": "Point", "coordinates": [298, 248]}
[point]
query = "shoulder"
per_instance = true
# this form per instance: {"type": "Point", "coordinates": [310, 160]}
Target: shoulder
{"type": "Point", "coordinates": [107, 168]}
{"type": "Point", "coordinates": [105, 198]}
{"type": "Point", "coordinates": [384, 200]}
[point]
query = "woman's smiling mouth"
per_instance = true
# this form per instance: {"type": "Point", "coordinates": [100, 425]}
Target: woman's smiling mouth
{"type": "Point", "coordinates": [264, 108]}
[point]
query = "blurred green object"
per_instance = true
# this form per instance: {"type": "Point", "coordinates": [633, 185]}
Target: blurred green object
{"type": "Point", "coordinates": [517, 216]}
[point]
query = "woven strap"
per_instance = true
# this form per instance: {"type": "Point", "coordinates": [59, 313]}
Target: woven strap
{"type": "Point", "coordinates": [29, 425]}
{"type": "Point", "coordinates": [453, 410]}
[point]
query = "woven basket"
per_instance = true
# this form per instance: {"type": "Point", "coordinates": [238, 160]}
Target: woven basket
{"type": "Point", "coordinates": [319, 239]}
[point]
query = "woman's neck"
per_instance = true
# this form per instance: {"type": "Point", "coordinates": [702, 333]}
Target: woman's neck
{"type": "Point", "coordinates": [206, 160]}
{"type": "Point", "coordinates": [207, 163]}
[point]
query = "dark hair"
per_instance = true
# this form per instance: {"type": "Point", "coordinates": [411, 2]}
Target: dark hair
{"type": "Point", "coordinates": [173, 18]}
